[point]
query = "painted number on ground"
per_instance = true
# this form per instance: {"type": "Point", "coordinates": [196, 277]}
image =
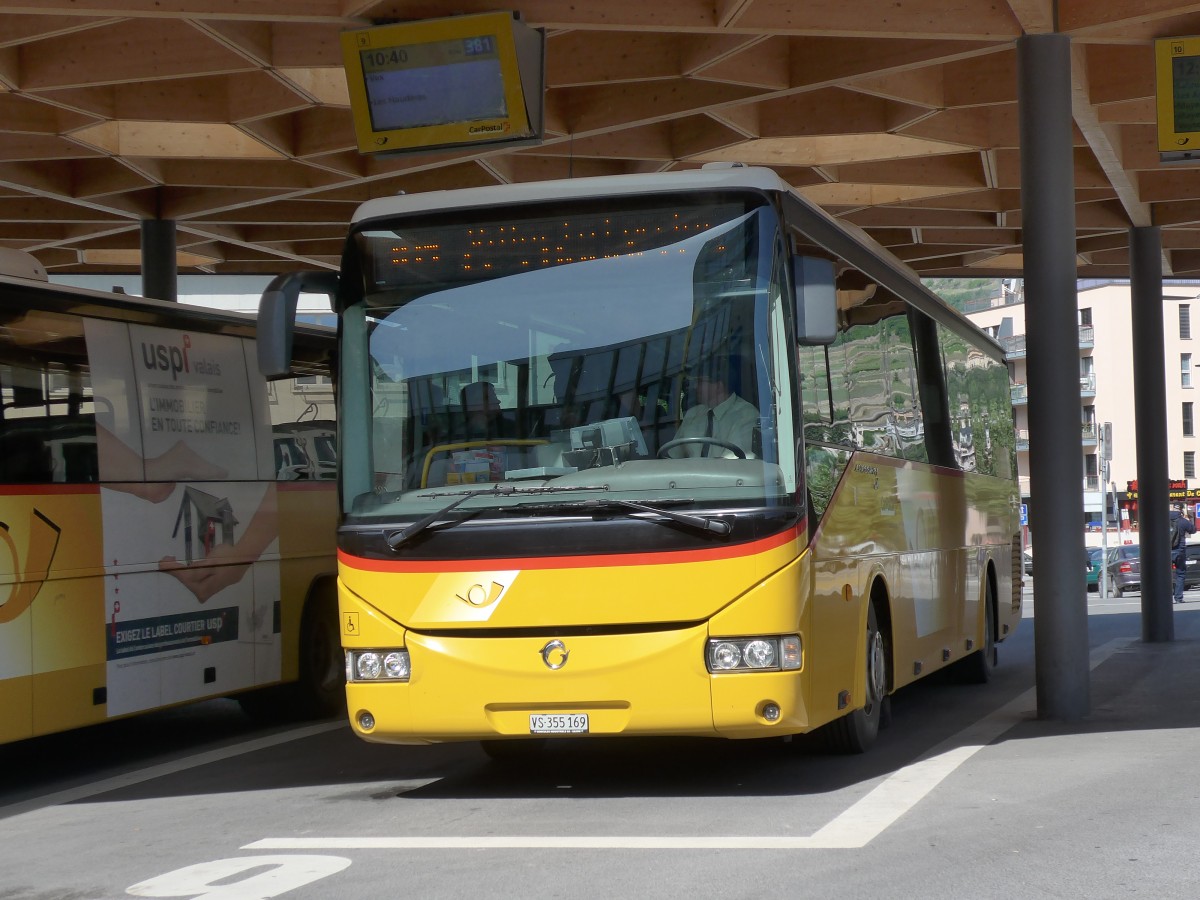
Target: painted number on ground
{"type": "Point", "coordinates": [244, 878]}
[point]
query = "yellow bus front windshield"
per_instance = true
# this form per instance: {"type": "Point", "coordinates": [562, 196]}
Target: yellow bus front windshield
{"type": "Point", "coordinates": [568, 352]}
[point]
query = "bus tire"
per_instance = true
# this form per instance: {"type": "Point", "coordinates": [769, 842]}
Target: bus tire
{"type": "Point", "coordinates": [856, 731]}
{"type": "Point", "coordinates": [320, 690]}
{"type": "Point", "coordinates": [978, 667]}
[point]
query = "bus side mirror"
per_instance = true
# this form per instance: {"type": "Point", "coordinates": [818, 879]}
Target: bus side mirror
{"type": "Point", "coordinates": [277, 318]}
{"type": "Point", "coordinates": [816, 300]}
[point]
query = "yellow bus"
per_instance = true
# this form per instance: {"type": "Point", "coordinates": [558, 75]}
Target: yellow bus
{"type": "Point", "coordinates": [164, 535]}
{"type": "Point", "coordinates": [672, 454]}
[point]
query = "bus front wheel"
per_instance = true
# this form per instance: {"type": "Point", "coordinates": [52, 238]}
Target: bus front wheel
{"type": "Point", "coordinates": [855, 732]}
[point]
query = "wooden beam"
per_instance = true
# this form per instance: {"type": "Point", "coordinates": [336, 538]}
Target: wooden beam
{"type": "Point", "coordinates": [1176, 212]}
{"type": "Point", "coordinates": [922, 87]}
{"type": "Point", "coordinates": [900, 217]}
{"type": "Point", "coordinates": [972, 127]}
{"type": "Point", "coordinates": [1102, 140]}
{"type": "Point", "coordinates": [587, 58]}
{"type": "Point", "coordinates": [765, 64]}
{"type": "Point", "coordinates": [1034, 16]}
{"type": "Point", "coordinates": [1169, 184]}
{"type": "Point", "coordinates": [17, 29]}
{"type": "Point", "coordinates": [827, 111]}
{"type": "Point", "coordinates": [606, 108]}
{"type": "Point", "coordinates": [914, 19]}
{"type": "Point", "coordinates": [644, 142]}
{"type": "Point", "coordinates": [326, 11]}
{"type": "Point", "coordinates": [983, 80]}
{"type": "Point", "coordinates": [103, 177]}
{"type": "Point", "coordinates": [1116, 73]}
{"type": "Point", "coordinates": [128, 52]}
{"type": "Point", "coordinates": [949, 170]}
{"type": "Point", "coordinates": [1084, 15]}
{"type": "Point", "coordinates": [828, 60]}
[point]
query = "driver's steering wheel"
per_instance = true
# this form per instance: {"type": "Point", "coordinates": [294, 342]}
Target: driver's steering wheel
{"type": "Point", "coordinates": [717, 442]}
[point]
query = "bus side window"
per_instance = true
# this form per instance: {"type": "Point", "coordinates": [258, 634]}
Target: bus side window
{"type": "Point", "coordinates": [47, 417]}
{"type": "Point", "coordinates": [303, 429]}
{"type": "Point", "coordinates": [24, 458]}
{"type": "Point", "coordinates": [74, 455]}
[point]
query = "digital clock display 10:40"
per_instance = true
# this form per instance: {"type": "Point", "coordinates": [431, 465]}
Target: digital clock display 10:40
{"type": "Point", "coordinates": [447, 82]}
{"type": "Point", "coordinates": [431, 54]}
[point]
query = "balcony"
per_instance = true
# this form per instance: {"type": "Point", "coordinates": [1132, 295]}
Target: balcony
{"type": "Point", "coordinates": [1020, 392]}
{"type": "Point", "coordinates": [1014, 347]}
{"type": "Point", "coordinates": [1090, 438]}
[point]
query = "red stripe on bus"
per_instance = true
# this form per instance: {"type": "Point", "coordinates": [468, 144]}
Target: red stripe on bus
{"type": "Point", "coordinates": [322, 485]}
{"type": "Point", "coordinates": [667, 557]}
{"type": "Point", "coordinates": [26, 490]}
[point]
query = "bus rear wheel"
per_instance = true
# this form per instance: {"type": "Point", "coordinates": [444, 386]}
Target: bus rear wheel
{"type": "Point", "coordinates": [855, 732]}
{"type": "Point", "coordinates": [978, 667]}
{"type": "Point", "coordinates": [320, 691]}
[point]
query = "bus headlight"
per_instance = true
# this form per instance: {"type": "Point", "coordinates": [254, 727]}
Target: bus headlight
{"type": "Point", "coordinates": [378, 665]}
{"type": "Point", "coordinates": [755, 654]}
{"type": "Point", "coordinates": [395, 665]}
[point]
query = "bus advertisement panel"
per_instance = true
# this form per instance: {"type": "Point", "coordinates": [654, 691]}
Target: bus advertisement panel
{"type": "Point", "coordinates": [215, 530]}
{"type": "Point", "coordinates": [154, 551]}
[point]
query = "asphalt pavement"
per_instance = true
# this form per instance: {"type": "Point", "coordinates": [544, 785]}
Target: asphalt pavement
{"type": "Point", "coordinates": [968, 795]}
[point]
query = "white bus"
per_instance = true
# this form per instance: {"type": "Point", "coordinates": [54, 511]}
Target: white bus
{"type": "Point", "coordinates": [153, 550]}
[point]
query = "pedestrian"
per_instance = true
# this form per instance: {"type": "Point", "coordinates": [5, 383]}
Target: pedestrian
{"type": "Point", "coordinates": [1181, 527]}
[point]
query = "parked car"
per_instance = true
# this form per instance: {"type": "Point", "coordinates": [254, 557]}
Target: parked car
{"type": "Point", "coordinates": [1091, 565]}
{"type": "Point", "coordinates": [1095, 559]}
{"type": "Point", "coordinates": [1124, 569]}
{"type": "Point", "coordinates": [1191, 577]}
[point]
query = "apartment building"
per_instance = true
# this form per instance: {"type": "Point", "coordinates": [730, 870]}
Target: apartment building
{"type": "Point", "coordinates": [1106, 381]}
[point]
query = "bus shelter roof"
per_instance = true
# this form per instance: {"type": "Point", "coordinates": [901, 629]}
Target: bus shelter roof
{"type": "Point", "coordinates": [233, 120]}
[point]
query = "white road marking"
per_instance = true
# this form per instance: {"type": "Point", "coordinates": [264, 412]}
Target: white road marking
{"type": "Point", "coordinates": [117, 782]}
{"type": "Point", "coordinates": [855, 828]}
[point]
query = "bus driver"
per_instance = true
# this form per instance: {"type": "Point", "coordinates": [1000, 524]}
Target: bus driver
{"type": "Point", "coordinates": [719, 413]}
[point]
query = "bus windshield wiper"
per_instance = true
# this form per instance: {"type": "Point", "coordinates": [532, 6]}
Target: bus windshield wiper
{"type": "Point", "coordinates": [396, 538]}
{"type": "Point", "coordinates": [700, 523]}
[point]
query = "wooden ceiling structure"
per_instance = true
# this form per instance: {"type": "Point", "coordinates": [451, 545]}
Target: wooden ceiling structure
{"type": "Point", "coordinates": [231, 117]}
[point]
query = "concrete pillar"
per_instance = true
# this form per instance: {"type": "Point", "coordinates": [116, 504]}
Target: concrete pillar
{"type": "Point", "coordinates": [1052, 341]}
{"type": "Point", "coordinates": [160, 275]}
{"type": "Point", "coordinates": [1150, 432]}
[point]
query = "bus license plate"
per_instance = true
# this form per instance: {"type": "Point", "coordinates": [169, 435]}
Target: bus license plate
{"type": "Point", "coordinates": [558, 723]}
